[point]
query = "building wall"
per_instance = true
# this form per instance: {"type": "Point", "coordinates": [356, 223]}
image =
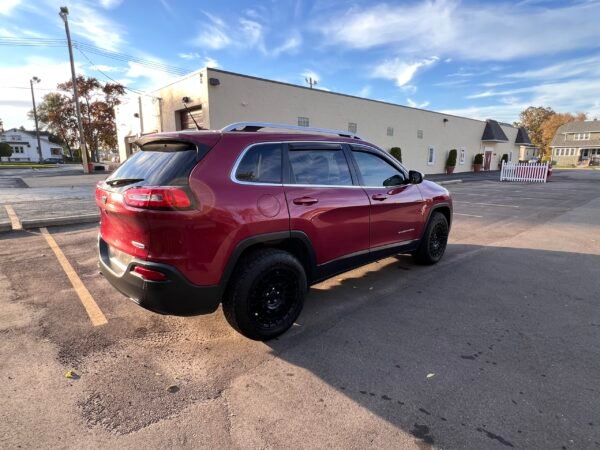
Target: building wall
{"type": "Point", "coordinates": [28, 142]}
{"type": "Point", "coordinates": [239, 98]}
{"type": "Point", "coordinates": [159, 115]}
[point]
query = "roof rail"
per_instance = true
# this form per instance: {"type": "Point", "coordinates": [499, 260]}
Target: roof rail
{"type": "Point", "coordinates": [255, 126]}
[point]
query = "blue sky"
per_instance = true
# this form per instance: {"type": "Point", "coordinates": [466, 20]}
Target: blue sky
{"type": "Point", "coordinates": [477, 59]}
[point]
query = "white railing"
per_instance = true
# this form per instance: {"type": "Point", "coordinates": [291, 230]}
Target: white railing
{"type": "Point", "coordinates": [525, 172]}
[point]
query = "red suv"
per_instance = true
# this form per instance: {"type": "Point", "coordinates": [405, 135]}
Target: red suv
{"type": "Point", "coordinates": [251, 219]}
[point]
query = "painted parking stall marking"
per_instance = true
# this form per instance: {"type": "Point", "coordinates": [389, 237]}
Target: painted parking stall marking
{"type": "Point", "coordinates": [14, 219]}
{"type": "Point", "coordinates": [91, 307]}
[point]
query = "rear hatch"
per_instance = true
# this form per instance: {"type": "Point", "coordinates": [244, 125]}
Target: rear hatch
{"type": "Point", "coordinates": [153, 180]}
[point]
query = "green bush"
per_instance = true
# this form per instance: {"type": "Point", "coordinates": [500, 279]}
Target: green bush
{"type": "Point", "coordinates": [504, 158]}
{"type": "Point", "coordinates": [5, 150]}
{"type": "Point", "coordinates": [451, 161]}
{"type": "Point", "coordinates": [396, 152]}
{"type": "Point", "coordinates": [478, 158]}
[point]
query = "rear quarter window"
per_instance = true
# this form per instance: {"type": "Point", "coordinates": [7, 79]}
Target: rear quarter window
{"type": "Point", "coordinates": [159, 168]}
{"type": "Point", "coordinates": [261, 164]}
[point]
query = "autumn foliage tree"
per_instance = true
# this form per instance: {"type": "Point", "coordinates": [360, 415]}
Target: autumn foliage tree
{"type": "Point", "coordinates": [541, 124]}
{"type": "Point", "coordinates": [97, 103]}
{"type": "Point", "coordinates": [552, 123]}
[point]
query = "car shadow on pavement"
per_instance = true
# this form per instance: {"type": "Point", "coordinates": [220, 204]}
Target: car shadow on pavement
{"type": "Point", "coordinates": [473, 353]}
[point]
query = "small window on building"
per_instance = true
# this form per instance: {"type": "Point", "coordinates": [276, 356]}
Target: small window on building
{"type": "Point", "coordinates": [261, 164]}
{"type": "Point", "coordinates": [352, 127]}
{"type": "Point", "coordinates": [430, 156]}
{"type": "Point", "coordinates": [462, 156]}
{"type": "Point", "coordinates": [303, 122]}
{"type": "Point", "coordinates": [419, 134]}
{"type": "Point", "coordinates": [510, 156]}
{"type": "Point", "coordinates": [572, 152]}
{"type": "Point", "coordinates": [390, 131]}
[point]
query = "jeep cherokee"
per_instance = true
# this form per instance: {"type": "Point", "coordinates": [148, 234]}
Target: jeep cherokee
{"type": "Point", "coordinates": [250, 219]}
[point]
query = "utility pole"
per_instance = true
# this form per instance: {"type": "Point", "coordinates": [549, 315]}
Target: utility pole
{"type": "Point", "coordinates": [37, 129]}
{"type": "Point", "coordinates": [310, 81]}
{"type": "Point", "coordinates": [64, 13]}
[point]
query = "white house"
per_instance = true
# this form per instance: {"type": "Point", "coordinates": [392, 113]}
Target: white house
{"type": "Point", "coordinates": [25, 148]}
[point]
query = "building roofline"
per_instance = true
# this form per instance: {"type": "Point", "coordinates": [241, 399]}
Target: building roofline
{"type": "Point", "coordinates": [30, 133]}
{"type": "Point", "coordinates": [251, 77]}
{"type": "Point", "coordinates": [337, 93]}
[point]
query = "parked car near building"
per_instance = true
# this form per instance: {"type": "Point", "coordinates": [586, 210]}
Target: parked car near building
{"type": "Point", "coordinates": [251, 219]}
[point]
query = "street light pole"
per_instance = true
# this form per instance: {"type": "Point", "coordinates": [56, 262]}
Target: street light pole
{"type": "Point", "coordinates": [64, 13]}
{"type": "Point", "coordinates": [37, 129]}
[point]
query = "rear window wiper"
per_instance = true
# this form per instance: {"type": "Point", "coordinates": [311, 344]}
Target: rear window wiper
{"type": "Point", "coordinates": [123, 181]}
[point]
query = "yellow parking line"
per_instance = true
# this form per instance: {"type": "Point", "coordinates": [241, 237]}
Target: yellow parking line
{"type": "Point", "coordinates": [91, 307]}
{"type": "Point", "coordinates": [14, 219]}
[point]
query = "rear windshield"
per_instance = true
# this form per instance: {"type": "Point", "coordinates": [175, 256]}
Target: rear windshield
{"type": "Point", "coordinates": [158, 168]}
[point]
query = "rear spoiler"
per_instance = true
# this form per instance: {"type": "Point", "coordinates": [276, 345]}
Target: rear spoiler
{"type": "Point", "coordinates": [170, 143]}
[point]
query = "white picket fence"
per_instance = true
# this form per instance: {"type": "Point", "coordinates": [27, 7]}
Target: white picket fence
{"type": "Point", "coordinates": [530, 173]}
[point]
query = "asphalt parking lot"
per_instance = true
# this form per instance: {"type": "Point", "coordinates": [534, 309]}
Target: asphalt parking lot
{"type": "Point", "coordinates": [497, 346]}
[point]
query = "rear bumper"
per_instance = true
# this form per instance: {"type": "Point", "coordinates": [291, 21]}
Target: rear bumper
{"type": "Point", "coordinates": [175, 296]}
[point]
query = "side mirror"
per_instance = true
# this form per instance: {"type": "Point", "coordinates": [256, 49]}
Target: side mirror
{"type": "Point", "coordinates": [415, 177]}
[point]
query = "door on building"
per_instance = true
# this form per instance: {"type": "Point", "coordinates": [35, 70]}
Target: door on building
{"type": "Point", "coordinates": [487, 160]}
{"type": "Point", "coordinates": [188, 118]}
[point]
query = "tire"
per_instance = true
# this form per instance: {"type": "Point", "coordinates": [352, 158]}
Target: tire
{"type": "Point", "coordinates": [434, 241]}
{"type": "Point", "coordinates": [266, 294]}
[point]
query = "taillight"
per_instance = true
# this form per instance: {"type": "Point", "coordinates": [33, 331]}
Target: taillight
{"type": "Point", "coordinates": [158, 198]}
{"type": "Point", "coordinates": [149, 274]}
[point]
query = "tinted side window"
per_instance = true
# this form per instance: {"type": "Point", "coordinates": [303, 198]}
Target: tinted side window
{"type": "Point", "coordinates": [261, 164]}
{"type": "Point", "coordinates": [376, 171]}
{"type": "Point", "coordinates": [326, 167]}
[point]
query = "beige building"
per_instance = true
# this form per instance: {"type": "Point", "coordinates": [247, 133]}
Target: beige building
{"type": "Point", "coordinates": [215, 98]}
{"type": "Point", "coordinates": [577, 143]}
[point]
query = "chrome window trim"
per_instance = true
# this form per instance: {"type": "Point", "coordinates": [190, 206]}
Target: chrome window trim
{"type": "Point", "coordinates": [233, 178]}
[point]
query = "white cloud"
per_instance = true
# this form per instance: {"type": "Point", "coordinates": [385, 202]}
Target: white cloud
{"type": "Point", "coordinates": [92, 25]}
{"type": "Point", "coordinates": [578, 95]}
{"type": "Point", "coordinates": [290, 45]}
{"type": "Point", "coordinates": [212, 37]}
{"type": "Point", "coordinates": [498, 31]}
{"type": "Point", "coordinates": [365, 91]}
{"type": "Point", "coordinates": [400, 71]}
{"type": "Point", "coordinates": [148, 79]}
{"type": "Point", "coordinates": [566, 69]}
{"type": "Point", "coordinates": [15, 96]}
{"type": "Point", "coordinates": [245, 33]}
{"type": "Point", "coordinates": [190, 55]}
{"type": "Point", "coordinates": [210, 62]}
{"type": "Point", "coordinates": [6, 6]}
{"type": "Point", "coordinates": [110, 4]}
{"type": "Point", "coordinates": [414, 104]}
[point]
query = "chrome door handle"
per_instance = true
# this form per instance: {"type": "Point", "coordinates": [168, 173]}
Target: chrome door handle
{"type": "Point", "coordinates": [305, 201]}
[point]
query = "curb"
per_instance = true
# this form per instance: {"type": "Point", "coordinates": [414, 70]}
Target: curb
{"type": "Point", "coordinates": [55, 221]}
{"type": "Point", "coordinates": [5, 227]}
{"type": "Point", "coordinates": [442, 183]}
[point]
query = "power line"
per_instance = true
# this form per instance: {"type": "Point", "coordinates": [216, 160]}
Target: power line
{"type": "Point", "coordinates": [135, 91]}
{"type": "Point", "coordinates": [41, 42]}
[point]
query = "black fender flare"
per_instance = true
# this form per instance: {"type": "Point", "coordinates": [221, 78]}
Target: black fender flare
{"type": "Point", "coordinates": [268, 239]}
